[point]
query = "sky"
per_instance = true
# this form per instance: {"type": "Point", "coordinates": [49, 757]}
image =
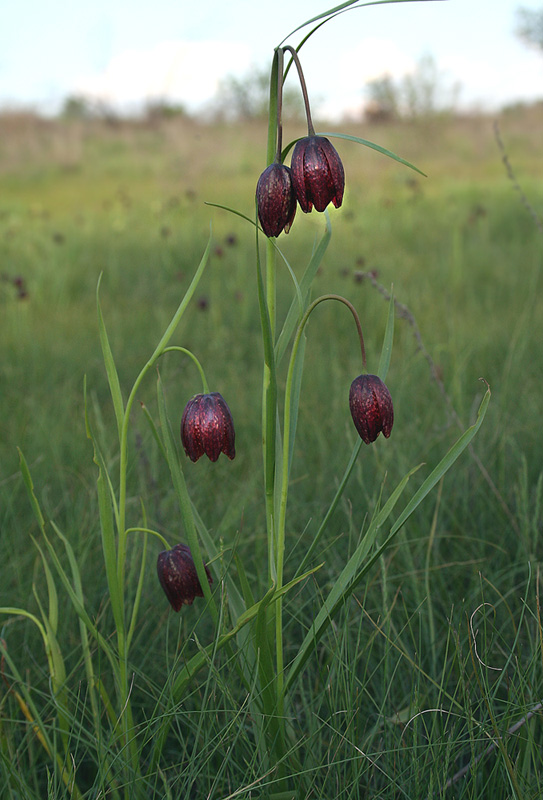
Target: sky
{"type": "Point", "coordinates": [126, 53]}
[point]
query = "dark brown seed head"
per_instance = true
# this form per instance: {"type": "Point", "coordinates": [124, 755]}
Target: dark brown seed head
{"type": "Point", "coordinates": [207, 427]}
{"type": "Point", "coordinates": [371, 407]}
{"type": "Point", "coordinates": [178, 577]}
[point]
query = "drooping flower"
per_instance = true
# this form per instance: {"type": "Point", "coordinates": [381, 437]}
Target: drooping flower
{"type": "Point", "coordinates": [275, 199]}
{"type": "Point", "coordinates": [371, 407]}
{"type": "Point", "coordinates": [318, 176]}
{"type": "Point", "coordinates": [207, 427]}
{"type": "Point", "coordinates": [178, 577]}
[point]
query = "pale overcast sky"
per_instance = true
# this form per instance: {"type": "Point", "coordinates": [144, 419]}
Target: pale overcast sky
{"type": "Point", "coordinates": [129, 51]}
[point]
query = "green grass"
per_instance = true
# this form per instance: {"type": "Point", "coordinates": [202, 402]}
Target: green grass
{"type": "Point", "coordinates": [401, 693]}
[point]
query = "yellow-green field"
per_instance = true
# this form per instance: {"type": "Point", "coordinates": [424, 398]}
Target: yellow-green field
{"type": "Point", "coordinates": [449, 618]}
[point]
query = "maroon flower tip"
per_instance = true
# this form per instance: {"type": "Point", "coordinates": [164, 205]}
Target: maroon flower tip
{"type": "Point", "coordinates": [317, 174]}
{"type": "Point", "coordinates": [275, 199]}
{"type": "Point", "coordinates": [371, 407]}
{"type": "Point", "coordinates": [178, 577]}
{"type": "Point", "coordinates": [207, 427]}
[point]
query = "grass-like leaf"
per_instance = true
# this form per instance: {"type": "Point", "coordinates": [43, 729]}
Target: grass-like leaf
{"type": "Point", "coordinates": [295, 313]}
{"type": "Point", "coordinates": [357, 566]}
{"type": "Point", "coordinates": [109, 363]}
{"type": "Point", "coordinates": [377, 147]}
{"type": "Point", "coordinates": [332, 12]}
{"type": "Point", "coordinates": [386, 350]}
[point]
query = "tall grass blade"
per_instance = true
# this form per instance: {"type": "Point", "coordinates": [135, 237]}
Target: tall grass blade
{"type": "Point", "coordinates": [356, 568]}
{"type": "Point", "coordinates": [386, 350]}
{"type": "Point", "coordinates": [332, 12]}
{"type": "Point", "coordinates": [295, 314]}
{"type": "Point", "coordinates": [109, 363]}
{"type": "Point", "coordinates": [376, 147]}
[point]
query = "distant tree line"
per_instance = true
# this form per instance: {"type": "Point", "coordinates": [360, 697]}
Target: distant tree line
{"type": "Point", "coordinates": [425, 92]}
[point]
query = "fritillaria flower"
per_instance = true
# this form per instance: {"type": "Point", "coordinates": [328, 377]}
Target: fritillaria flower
{"type": "Point", "coordinates": [317, 173]}
{"type": "Point", "coordinates": [275, 199]}
{"type": "Point", "coordinates": [371, 407]}
{"type": "Point", "coordinates": [178, 577]}
{"type": "Point", "coordinates": [207, 427]}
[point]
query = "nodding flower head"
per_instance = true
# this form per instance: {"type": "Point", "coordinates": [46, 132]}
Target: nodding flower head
{"type": "Point", "coordinates": [207, 427]}
{"type": "Point", "coordinates": [371, 407]}
{"type": "Point", "coordinates": [178, 577]}
{"type": "Point", "coordinates": [275, 199]}
{"type": "Point", "coordinates": [317, 173]}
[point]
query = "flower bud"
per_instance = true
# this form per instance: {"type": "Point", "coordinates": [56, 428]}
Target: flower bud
{"type": "Point", "coordinates": [317, 173]}
{"type": "Point", "coordinates": [275, 199]}
{"type": "Point", "coordinates": [178, 577]}
{"type": "Point", "coordinates": [371, 407]}
{"type": "Point", "coordinates": [207, 427]}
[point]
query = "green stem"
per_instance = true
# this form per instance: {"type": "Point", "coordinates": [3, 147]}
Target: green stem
{"type": "Point", "coordinates": [151, 531]}
{"type": "Point", "coordinates": [281, 522]}
{"type": "Point", "coordinates": [267, 301]}
{"type": "Point", "coordinates": [294, 54]}
{"type": "Point", "coordinates": [267, 305]}
{"type": "Point", "coordinates": [177, 348]}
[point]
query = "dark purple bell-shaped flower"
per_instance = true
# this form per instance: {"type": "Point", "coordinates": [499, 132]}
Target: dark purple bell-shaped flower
{"type": "Point", "coordinates": [178, 577]}
{"type": "Point", "coordinates": [275, 199]}
{"type": "Point", "coordinates": [317, 173]}
{"type": "Point", "coordinates": [207, 427]}
{"type": "Point", "coordinates": [371, 407]}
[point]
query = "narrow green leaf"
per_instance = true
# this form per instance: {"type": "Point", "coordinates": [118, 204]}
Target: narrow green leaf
{"type": "Point", "coordinates": [235, 600]}
{"type": "Point", "coordinates": [295, 396]}
{"type": "Point", "coordinates": [109, 363]}
{"type": "Point", "coordinates": [273, 105]}
{"type": "Point", "coordinates": [22, 612]}
{"type": "Point", "coordinates": [27, 478]}
{"type": "Point", "coordinates": [76, 596]}
{"type": "Point", "coordinates": [99, 459]}
{"type": "Point", "coordinates": [333, 505]}
{"type": "Point", "coordinates": [201, 658]}
{"type": "Point", "coordinates": [139, 585]}
{"type": "Point", "coordinates": [52, 615]}
{"type": "Point", "coordinates": [355, 569]}
{"type": "Point", "coordinates": [107, 508]}
{"type": "Point", "coordinates": [444, 465]}
{"type": "Point", "coordinates": [343, 586]}
{"type": "Point", "coordinates": [109, 548]}
{"type": "Point", "coordinates": [266, 671]}
{"type": "Point", "coordinates": [247, 592]}
{"type": "Point", "coordinates": [376, 147]}
{"type": "Point", "coordinates": [332, 12]}
{"type": "Point", "coordinates": [386, 350]}
{"type": "Point", "coordinates": [232, 211]}
{"type": "Point", "coordinates": [294, 313]}
{"type": "Point", "coordinates": [154, 431]}
{"type": "Point", "coordinates": [323, 15]}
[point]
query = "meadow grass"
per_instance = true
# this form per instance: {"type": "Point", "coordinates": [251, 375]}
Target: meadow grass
{"type": "Point", "coordinates": [440, 652]}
